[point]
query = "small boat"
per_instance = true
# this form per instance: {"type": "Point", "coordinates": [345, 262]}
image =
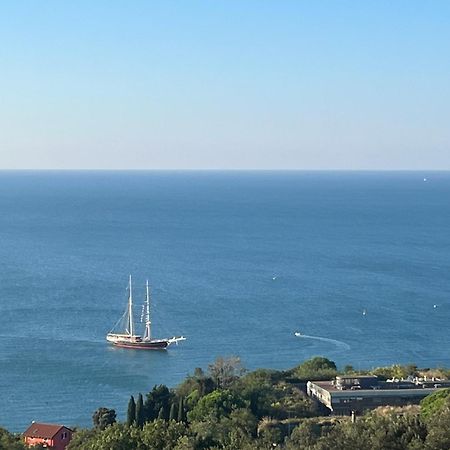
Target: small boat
{"type": "Point", "coordinates": [298, 334]}
{"type": "Point", "coordinates": [124, 334]}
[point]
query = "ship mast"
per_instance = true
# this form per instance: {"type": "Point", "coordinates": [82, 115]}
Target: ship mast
{"type": "Point", "coordinates": [130, 309]}
{"type": "Point", "coordinates": [147, 334]}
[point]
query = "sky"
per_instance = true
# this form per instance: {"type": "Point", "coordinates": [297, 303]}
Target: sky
{"type": "Point", "coordinates": [225, 84]}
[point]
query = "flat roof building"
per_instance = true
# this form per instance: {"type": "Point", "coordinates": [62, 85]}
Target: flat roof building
{"type": "Point", "coordinates": [361, 393]}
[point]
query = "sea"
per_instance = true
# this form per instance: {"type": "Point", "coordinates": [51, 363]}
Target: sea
{"type": "Point", "coordinates": [358, 263]}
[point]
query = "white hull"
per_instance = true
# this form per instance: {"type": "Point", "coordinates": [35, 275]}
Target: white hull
{"type": "Point", "coordinates": [128, 339]}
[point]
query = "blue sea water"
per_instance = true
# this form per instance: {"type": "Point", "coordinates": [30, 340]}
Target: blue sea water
{"type": "Point", "coordinates": [237, 262]}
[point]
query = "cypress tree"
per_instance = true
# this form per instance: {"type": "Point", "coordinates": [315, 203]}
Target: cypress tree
{"type": "Point", "coordinates": [180, 417]}
{"type": "Point", "coordinates": [172, 412]}
{"type": "Point", "coordinates": [131, 412]}
{"type": "Point", "coordinates": [140, 419]}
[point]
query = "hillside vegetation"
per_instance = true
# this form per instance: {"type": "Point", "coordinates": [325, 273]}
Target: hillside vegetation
{"type": "Point", "coordinates": [226, 407]}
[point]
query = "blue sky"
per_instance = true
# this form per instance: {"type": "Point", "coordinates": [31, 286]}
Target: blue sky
{"type": "Point", "coordinates": [224, 84]}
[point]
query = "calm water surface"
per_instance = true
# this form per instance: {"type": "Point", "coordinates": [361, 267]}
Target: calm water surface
{"type": "Point", "coordinates": [237, 263]}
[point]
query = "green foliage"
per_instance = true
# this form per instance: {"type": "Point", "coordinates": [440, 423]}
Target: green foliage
{"type": "Point", "coordinates": [192, 399]}
{"type": "Point", "coordinates": [81, 439]}
{"type": "Point", "coordinates": [156, 435]}
{"type": "Point", "coordinates": [131, 411]}
{"type": "Point", "coordinates": [116, 437]}
{"type": "Point", "coordinates": [9, 441]}
{"type": "Point", "coordinates": [103, 418]}
{"type": "Point", "coordinates": [224, 371]}
{"type": "Point", "coordinates": [208, 433]}
{"type": "Point", "coordinates": [256, 388]}
{"type": "Point", "coordinates": [228, 410]}
{"type": "Point", "coordinates": [159, 398]}
{"type": "Point", "coordinates": [372, 432]}
{"type": "Point", "coordinates": [181, 412]}
{"type": "Point", "coordinates": [434, 403]}
{"type": "Point", "coordinates": [270, 432]}
{"type": "Point", "coordinates": [305, 435]}
{"type": "Point", "coordinates": [140, 412]}
{"type": "Point", "coordinates": [438, 437]}
{"type": "Point", "coordinates": [395, 431]}
{"type": "Point", "coordinates": [395, 371]}
{"type": "Point", "coordinates": [318, 368]}
{"type": "Point", "coordinates": [291, 402]}
{"type": "Point", "coordinates": [172, 414]}
{"type": "Point", "coordinates": [162, 435]}
{"type": "Point", "coordinates": [199, 382]}
{"type": "Point", "coordinates": [268, 395]}
{"type": "Point", "coordinates": [348, 369]}
{"type": "Point", "coordinates": [216, 404]}
{"type": "Point", "coordinates": [243, 422]}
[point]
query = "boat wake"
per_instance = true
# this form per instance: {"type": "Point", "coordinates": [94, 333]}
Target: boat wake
{"type": "Point", "coordinates": [340, 344]}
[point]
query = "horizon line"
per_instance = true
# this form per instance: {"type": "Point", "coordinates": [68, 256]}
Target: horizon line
{"type": "Point", "coordinates": [217, 170]}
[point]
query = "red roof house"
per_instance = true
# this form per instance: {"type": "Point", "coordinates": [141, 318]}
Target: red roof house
{"type": "Point", "coordinates": [55, 437]}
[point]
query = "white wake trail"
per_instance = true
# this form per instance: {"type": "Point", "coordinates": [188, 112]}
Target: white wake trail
{"type": "Point", "coordinates": [340, 344]}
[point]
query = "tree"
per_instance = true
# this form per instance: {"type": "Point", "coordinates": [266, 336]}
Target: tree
{"type": "Point", "coordinates": [115, 437]}
{"type": "Point", "coordinates": [225, 370]}
{"type": "Point", "coordinates": [291, 402]}
{"type": "Point", "coordinates": [162, 435]}
{"type": "Point", "coordinates": [395, 371]}
{"type": "Point", "coordinates": [214, 433]}
{"type": "Point", "coordinates": [200, 381]}
{"type": "Point", "coordinates": [172, 414]}
{"type": "Point", "coordinates": [257, 388]}
{"type": "Point", "coordinates": [376, 431]}
{"type": "Point", "coordinates": [103, 417]}
{"type": "Point", "coordinates": [438, 429]}
{"type": "Point", "coordinates": [318, 368]}
{"type": "Point", "coordinates": [269, 432]}
{"type": "Point", "coordinates": [140, 412]}
{"type": "Point", "coordinates": [131, 412]}
{"type": "Point", "coordinates": [304, 435]}
{"type": "Point", "coordinates": [81, 439]}
{"type": "Point", "coordinates": [217, 404]}
{"type": "Point", "coordinates": [194, 387]}
{"type": "Point", "coordinates": [244, 422]}
{"type": "Point", "coordinates": [181, 415]}
{"type": "Point", "coordinates": [158, 398]}
{"type": "Point", "coordinates": [9, 441]}
{"type": "Point", "coordinates": [349, 369]}
{"type": "Point", "coordinates": [434, 403]}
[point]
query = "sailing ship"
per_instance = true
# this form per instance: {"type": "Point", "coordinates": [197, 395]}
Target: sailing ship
{"type": "Point", "coordinates": [124, 333]}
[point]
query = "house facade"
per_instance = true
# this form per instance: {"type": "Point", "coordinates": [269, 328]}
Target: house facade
{"type": "Point", "coordinates": [54, 437]}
